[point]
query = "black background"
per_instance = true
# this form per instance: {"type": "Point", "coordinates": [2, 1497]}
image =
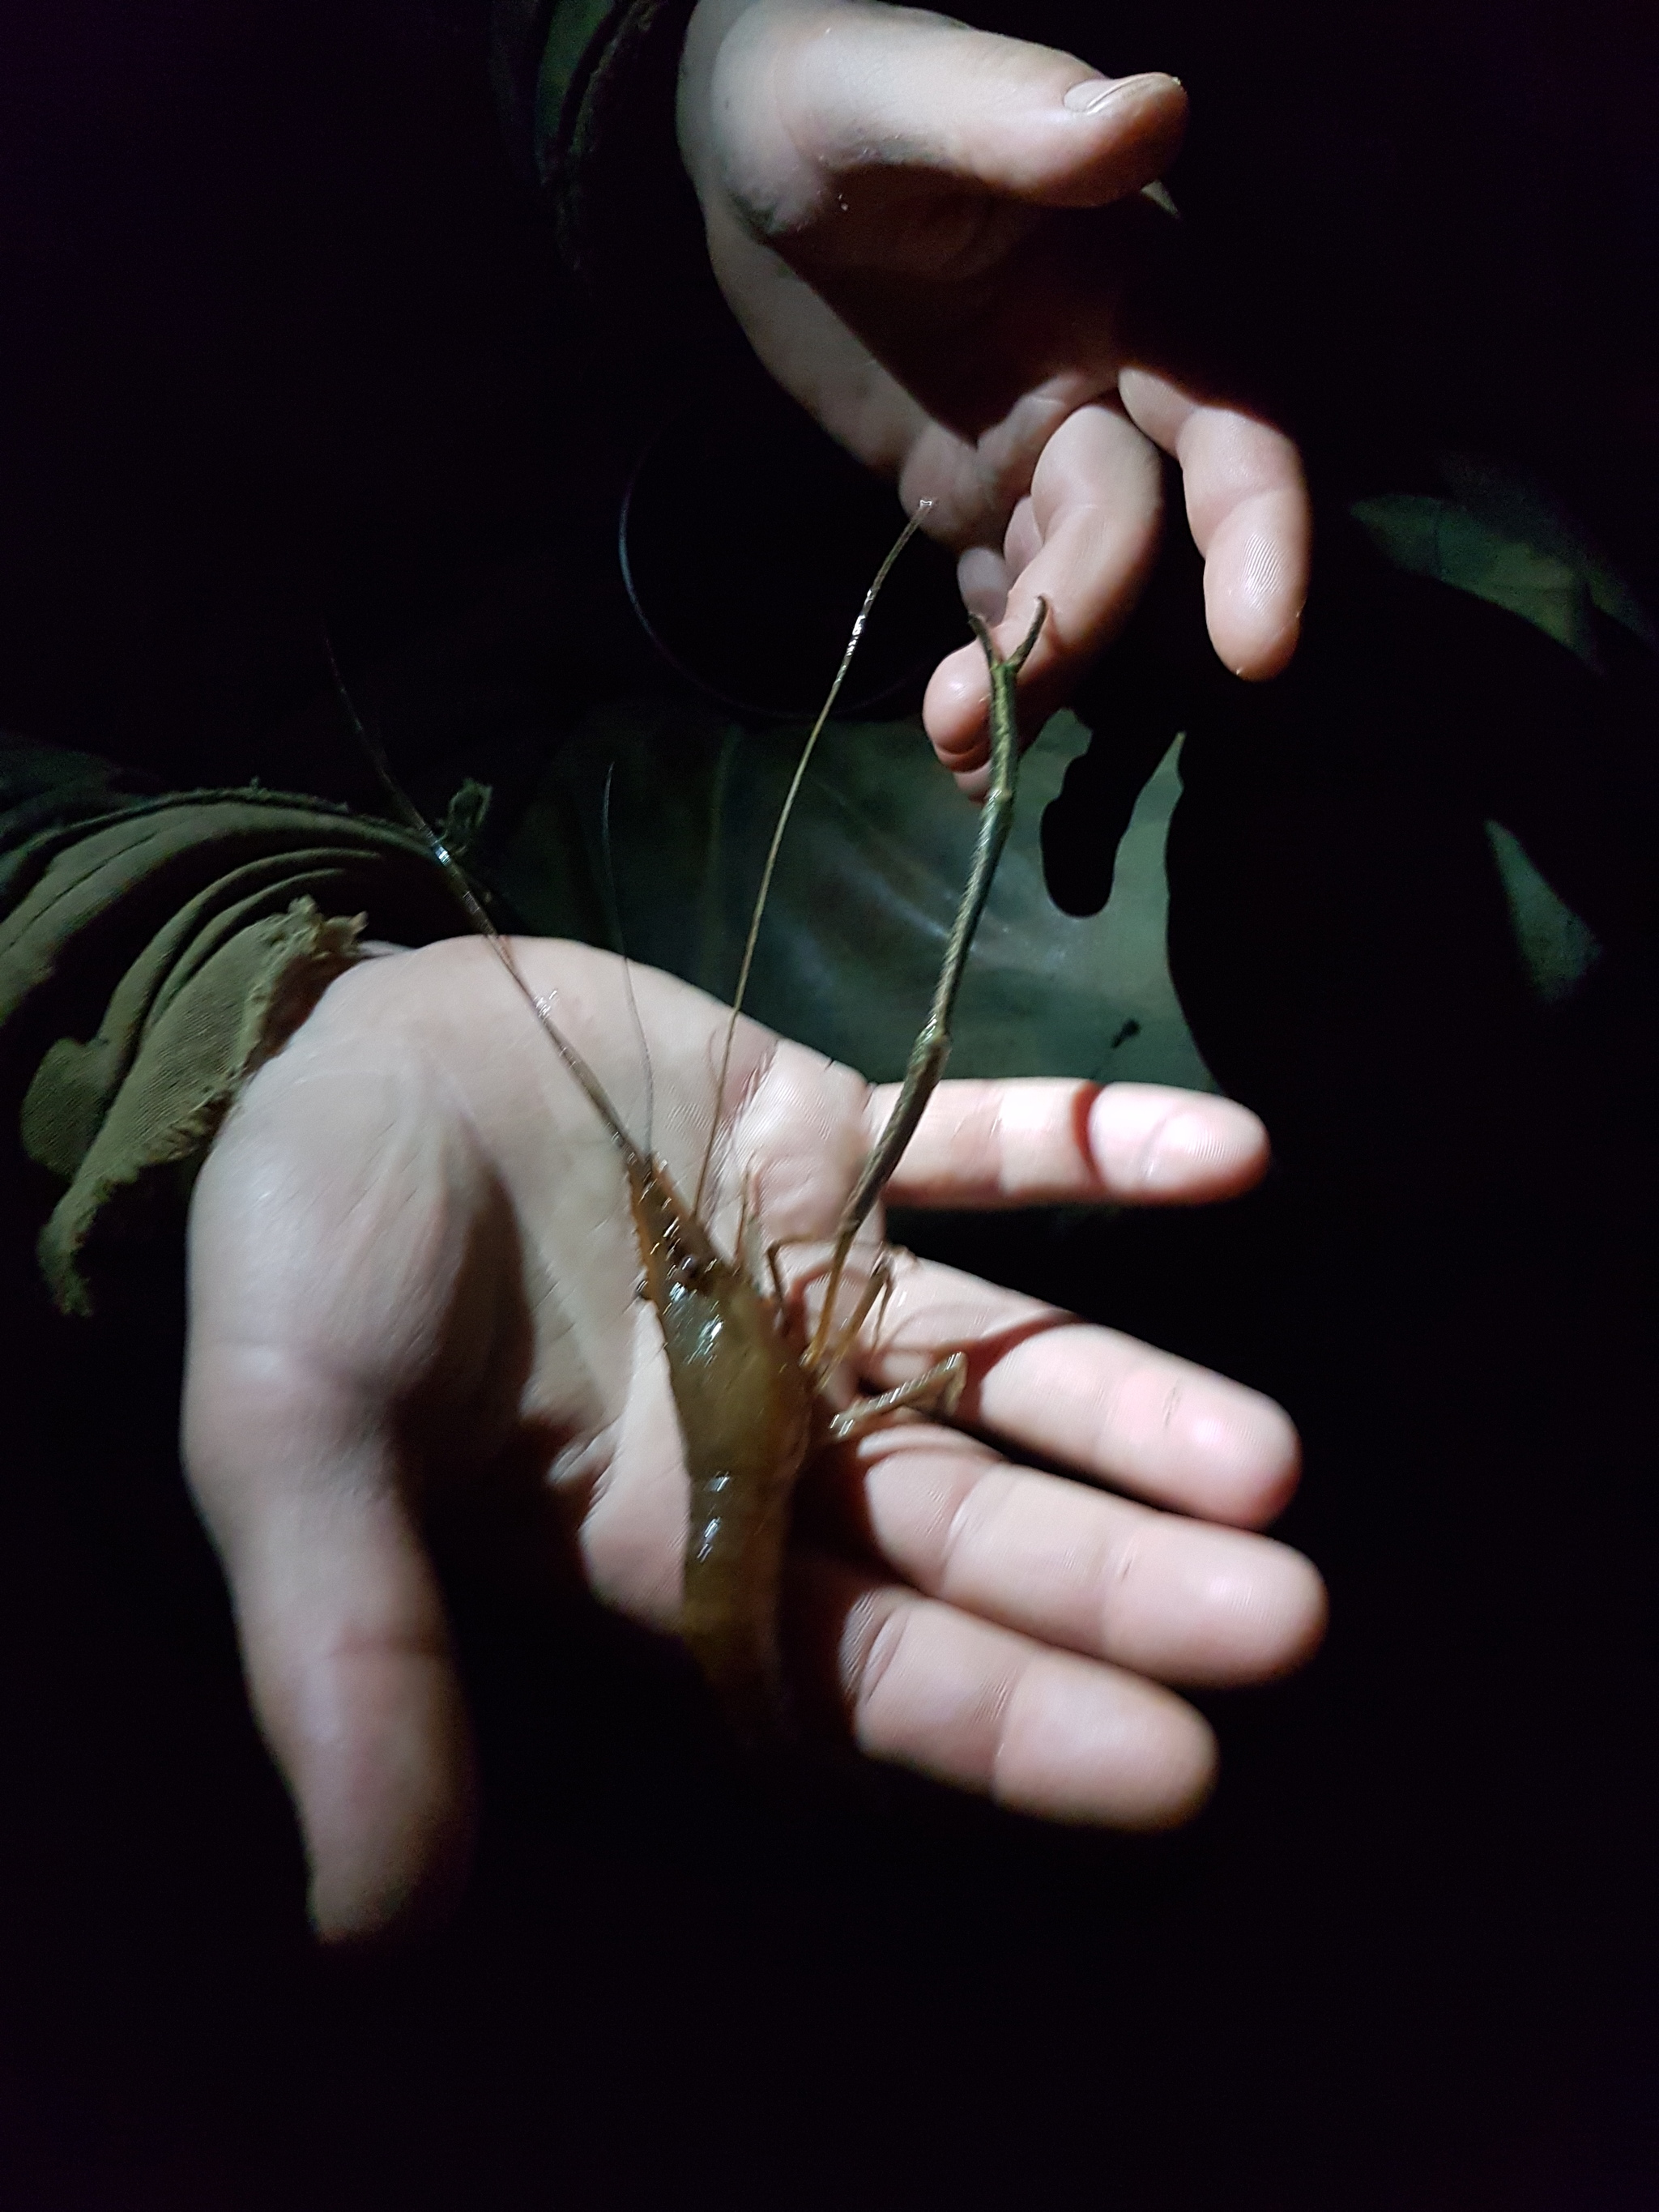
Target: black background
{"type": "Point", "coordinates": [282, 334]}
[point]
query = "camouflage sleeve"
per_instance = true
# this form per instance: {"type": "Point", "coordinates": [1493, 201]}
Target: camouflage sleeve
{"type": "Point", "coordinates": [154, 951]}
{"type": "Point", "coordinates": [586, 90]}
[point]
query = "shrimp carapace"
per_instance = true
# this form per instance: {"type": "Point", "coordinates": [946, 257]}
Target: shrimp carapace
{"type": "Point", "coordinates": [745, 1405]}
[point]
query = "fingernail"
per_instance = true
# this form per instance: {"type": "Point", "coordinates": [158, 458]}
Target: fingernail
{"type": "Point", "coordinates": [1179, 1144]}
{"type": "Point", "coordinates": [1098, 91]}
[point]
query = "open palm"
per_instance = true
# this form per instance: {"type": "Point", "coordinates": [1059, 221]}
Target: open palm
{"type": "Point", "coordinates": [412, 1271]}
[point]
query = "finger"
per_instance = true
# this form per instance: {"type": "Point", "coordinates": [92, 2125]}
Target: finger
{"type": "Point", "coordinates": [1088, 1398]}
{"type": "Point", "coordinates": [1041, 1731]}
{"type": "Point", "coordinates": [982, 579]}
{"type": "Point", "coordinates": [1082, 542]}
{"type": "Point", "coordinates": [1037, 1141]}
{"type": "Point", "coordinates": [344, 1636]}
{"type": "Point", "coordinates": [1248, 507]}
{"type": "Point", "coordinates": [803, 100]}
{"type": "Point", "coordinates": [1178, 1600]}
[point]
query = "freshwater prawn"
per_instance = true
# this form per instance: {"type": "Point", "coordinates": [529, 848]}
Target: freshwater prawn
{"type": "Point", "coordinates": [749, 1377]}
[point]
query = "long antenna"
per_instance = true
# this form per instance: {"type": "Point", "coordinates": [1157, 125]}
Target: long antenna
{"type": "Point", "coordinates": [455, 876]}
{"type": "Point", "coordinates": [614, 924]}
{"type": "Point", "coordinates": [784, 813]}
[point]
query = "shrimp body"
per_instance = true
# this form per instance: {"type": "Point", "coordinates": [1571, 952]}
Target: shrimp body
{"type": "Point", "coordinates": [746, 1380]}
{"type": "Point", "coordinates": [745, 1399]}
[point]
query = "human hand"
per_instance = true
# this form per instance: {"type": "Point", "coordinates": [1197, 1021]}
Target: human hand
{"type": "Point", "coordinates": [413, 1277]}
{"type": "Point", "coordinates": [937, 241]}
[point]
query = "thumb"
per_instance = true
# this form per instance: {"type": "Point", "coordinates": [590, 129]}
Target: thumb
{"type": "Point", "coordinates": [343, 1635]}
{"type": "Point", "coordinates": [326, 1228]}
{"type": "Point", "coordinates": [802, 100]}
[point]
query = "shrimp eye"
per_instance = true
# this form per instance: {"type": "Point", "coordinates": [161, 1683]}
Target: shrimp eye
{"type": "Point", "coordinates": [689, 1272]}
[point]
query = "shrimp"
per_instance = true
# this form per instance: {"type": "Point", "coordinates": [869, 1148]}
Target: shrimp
{"type": "Point", "coordinates": [748, 1379]}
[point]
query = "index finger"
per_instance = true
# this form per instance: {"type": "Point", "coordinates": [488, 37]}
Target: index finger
{"type": "Point", "coordinates": [1039, 1141]}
